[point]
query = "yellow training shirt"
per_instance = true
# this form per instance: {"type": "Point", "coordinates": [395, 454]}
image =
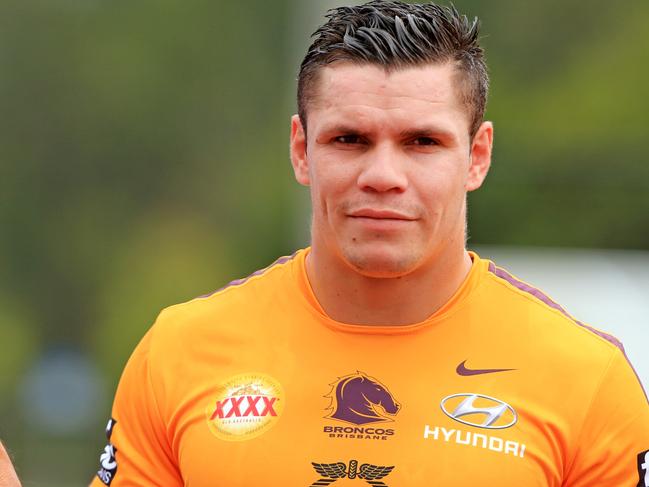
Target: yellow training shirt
{"type": "Point", "coordinates": [255, 385]}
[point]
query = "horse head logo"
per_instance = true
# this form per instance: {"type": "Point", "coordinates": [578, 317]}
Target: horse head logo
{"type": "Point", "coordinates": [361, 399]}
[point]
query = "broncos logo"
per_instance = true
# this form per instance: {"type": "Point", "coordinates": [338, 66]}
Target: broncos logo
{"type": "Point", "coordinates": [360, 399]}
{"type": "Point", "coordinates": [330, 472]}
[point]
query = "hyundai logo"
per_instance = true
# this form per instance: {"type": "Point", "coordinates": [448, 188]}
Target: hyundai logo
{"type": "Point", "coordinates": [479, 410]}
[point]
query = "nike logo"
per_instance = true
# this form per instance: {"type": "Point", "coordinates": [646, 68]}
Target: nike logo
{"type": "Point", "coordinates": [462, 370]}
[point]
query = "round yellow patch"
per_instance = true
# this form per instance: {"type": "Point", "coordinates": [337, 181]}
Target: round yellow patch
{"type": "Point", "coordinates": [245, 406]}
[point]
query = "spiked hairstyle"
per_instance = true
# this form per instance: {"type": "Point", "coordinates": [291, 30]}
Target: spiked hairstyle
{"type": "Point", "coordinates": [395, 35]}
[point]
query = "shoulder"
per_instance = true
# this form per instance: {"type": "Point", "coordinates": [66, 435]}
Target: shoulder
{"type": "Point", "coordinates": [214, 311]}
{"type": "Point", "coordinates": [193, 342]}
{"type": "Point", "coordinates": [541, 311]}
{"type": "Point", "coordinates": [548, 333]}
{"type": "Point", "coordinates": [557, 352]}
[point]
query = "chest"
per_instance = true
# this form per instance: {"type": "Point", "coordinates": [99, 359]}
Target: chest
{"type": "Point", "coordinates": [380, 411]}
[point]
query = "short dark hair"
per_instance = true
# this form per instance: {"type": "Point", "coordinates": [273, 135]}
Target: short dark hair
{"type": "Point", "coordinates": [395, 35]}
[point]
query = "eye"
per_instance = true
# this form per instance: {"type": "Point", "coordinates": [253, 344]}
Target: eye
{"type": "Point", "coordinates": [425, 141]}
{"type": "Point", "coordinates": [348, 139]}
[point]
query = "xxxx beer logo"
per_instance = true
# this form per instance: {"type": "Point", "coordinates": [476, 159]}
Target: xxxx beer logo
{"type": "Point", "coordinates": [245, 406]}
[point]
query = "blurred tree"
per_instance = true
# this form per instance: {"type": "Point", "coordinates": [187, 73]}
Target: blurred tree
{"type": "Point", "coordinates": [571, 121]}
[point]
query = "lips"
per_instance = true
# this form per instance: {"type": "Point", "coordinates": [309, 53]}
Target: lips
{"type": "Point", "coordinates": [380, 214]}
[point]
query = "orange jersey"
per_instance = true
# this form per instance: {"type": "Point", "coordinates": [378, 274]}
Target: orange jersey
{"type": "Point", "coordinates": [256, 385]}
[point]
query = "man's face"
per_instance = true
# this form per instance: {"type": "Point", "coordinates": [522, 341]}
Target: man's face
{"type": "Point", "coordinates": [389, 160]}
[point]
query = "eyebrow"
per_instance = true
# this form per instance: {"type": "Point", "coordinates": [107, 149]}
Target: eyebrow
{"type": "Point", "coordinates": [426, 132]}
{"type": "Point", "coordinates": [342, 128]}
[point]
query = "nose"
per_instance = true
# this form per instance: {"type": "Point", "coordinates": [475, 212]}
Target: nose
{"type": "Point", "coordinates": [383, 170]}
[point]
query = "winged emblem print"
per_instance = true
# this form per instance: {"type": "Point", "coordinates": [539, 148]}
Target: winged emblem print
{"type": "Point", "coordinates": [330, 472]}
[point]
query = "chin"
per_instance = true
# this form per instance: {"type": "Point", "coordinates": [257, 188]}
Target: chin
{"type": "Point", "coordinates": [381, 262]}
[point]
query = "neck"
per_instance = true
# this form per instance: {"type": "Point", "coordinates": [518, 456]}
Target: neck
{"type": "Point", "coordinates": [350, 297]}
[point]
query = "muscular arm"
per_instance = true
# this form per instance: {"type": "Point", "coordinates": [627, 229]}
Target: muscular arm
{"type": "Point", "coordinates": [615, 435]}
{"type": "Point", "coordinates": [138, 452]}
{"type": "Point", "coordinates": [8, 476]}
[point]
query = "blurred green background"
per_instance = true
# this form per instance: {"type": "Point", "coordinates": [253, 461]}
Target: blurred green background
{"type": "Point", "coordinates": [144, 161]}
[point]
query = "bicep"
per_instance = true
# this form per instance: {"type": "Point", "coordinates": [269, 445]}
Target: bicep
{"type": "Point", "coordinates": [138, 452]}
{"type": "Point", "coordinates": [615, 432]}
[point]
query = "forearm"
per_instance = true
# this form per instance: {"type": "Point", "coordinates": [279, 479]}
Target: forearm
{"type": "Point", "coordinates": [8, 477]}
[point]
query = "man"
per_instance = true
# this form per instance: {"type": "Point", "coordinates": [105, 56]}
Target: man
{"type": "Point", "coordinates": [385, 354]}
{"type": "Point", "coordinates": [8, 476]}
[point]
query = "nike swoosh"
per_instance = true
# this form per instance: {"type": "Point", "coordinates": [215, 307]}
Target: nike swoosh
{"type": "Point", "coordinates": [462, 370]}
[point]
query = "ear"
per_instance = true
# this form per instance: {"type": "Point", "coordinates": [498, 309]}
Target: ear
{"type": "Point", "coordinates": [298, 151]}
{"type": "Point", "coordinates": [480, 156]}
